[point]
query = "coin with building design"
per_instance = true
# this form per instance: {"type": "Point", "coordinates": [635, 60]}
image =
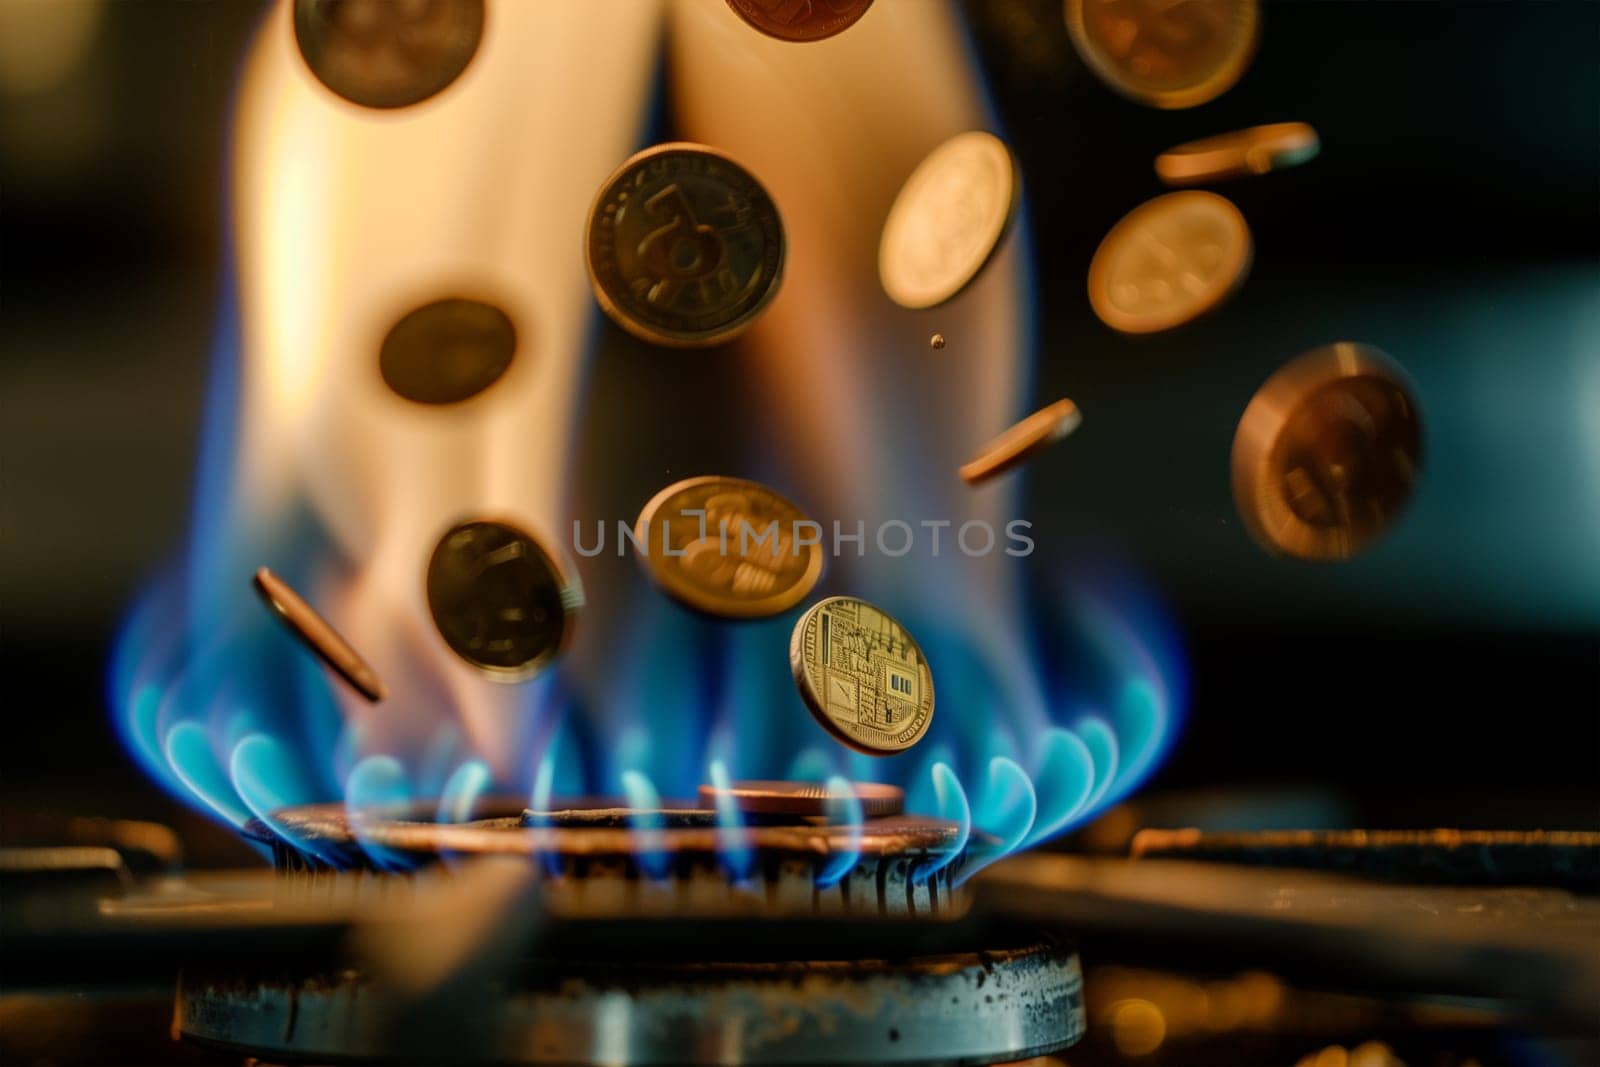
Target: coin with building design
{"type": "Point", "coordinates": [862, 675]}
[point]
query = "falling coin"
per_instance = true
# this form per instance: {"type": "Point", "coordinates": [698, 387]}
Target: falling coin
{"type": "Point", "coordinates": [1034, 433]}
{"type": "Point", "coordinates": [316, 634]}
{"type": "Point", "coordinates": [1256, 150]}
{"type": "Point", "coordinates": [862, 676]}
{"type": "Point", "coordinates": [1165, 53]}
{"type": "Point", "coordinates": [804, 798]}
{"type": "Point", "coordinates": [936, 341]}
{"type": "Point", "coordinates": [447, 351]}
{"type": "Point", "coordinates": [728, 547]}
{"type": "Point", "coordinates": [387, 53]}
{"type": "Point", "coordinates": [1169, 261]}
{"type": "Point", "coordinates": [685, 247]}
{"type": "Point", "coordinates": [947, 220]}
{"type": "Point", "coordinates": [800, 20]}
{"type": "Point", "coordinates": [500, 600]}
{"type": "Point", "coordinates": [1327, 453]}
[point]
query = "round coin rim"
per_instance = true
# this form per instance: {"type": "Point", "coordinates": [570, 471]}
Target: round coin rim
{"type": "Point", "coordinates": [656, 335]}
{"type": "Point", "coordinates": [1232, 154]}
{"type": "Point", "coordinates": [1225, 78]}
{"type": "Point", "coordinates": [798, 668]}
{"type": "Point", "coordinates": [765, 796]}
{"type": "Point", "coordinates": [297, 6]}
{"type": "Point", "coordinates": [739, 8]}
{"type": "Point", "coordinates": [690, 595]}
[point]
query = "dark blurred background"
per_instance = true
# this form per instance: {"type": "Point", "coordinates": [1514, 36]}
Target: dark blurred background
{"type": "Point", "coordinates": [1450, 676]}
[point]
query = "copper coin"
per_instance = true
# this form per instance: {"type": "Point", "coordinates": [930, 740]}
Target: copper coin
{"type": "Point", "coordinates": [1034, 433]}
{"type": "Point", "coordinates": [862, 676]}
{"type": "Point", "coordinates": [317, 634]}
{"type": "Point", "coordinates": [1165, 53]}
{"type": "Point", "coordinates": [387, 53]}
{"type": "Point", "coordinates": [1256, 150]}
{"type": "Point", "coordinates": [447, 351]}
{"type": "Point", "coordinates": [804, 798]}
{"type": "Point", "coordinates": [800, 20]}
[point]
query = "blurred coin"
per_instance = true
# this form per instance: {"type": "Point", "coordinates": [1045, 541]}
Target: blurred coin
{"type": "Point", "coordinates": [862, 676]}
{"type": "Point", "coordinates": [1327, 453]}
{"type": "Point", "coordinates": [1044, 427]}
{"type": "Point", "coordinates": [1165, 53]}
{"type": "Point", "coordinates": [685, 247]}
{"type": "Point", "coordinates": [316, 634]}
{"type": "Point", "coordinates": [387, 53]}
{"type": "Point", "coordinates": [800, 20]}
{"type": "Point", "coordinates": [1234, 155]}
{"type": "Point", "coordinates": [947, 220]}
{"type": "Point", "coordinates": [740, 559]}
{"type": "Point", "coordinates": [447, 351]}
{"type": "Point", "coordinates": [500, 599]}
{"type": "Point", "coordinates": [804, 798]}
{"type": "Point", "coordinates": [1168, 261]}
{"type": "Point", "coordinates": [936, 341]}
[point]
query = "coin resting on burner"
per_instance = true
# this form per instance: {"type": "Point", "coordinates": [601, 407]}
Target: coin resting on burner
{"type": "Point", "coordinates": [862, 676]}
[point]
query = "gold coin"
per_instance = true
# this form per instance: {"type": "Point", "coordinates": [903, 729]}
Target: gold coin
{"type": "Point", "coordinates": [804, 798]}
{"type": "Point", "coordinates": [317, 634]}
{"type": "Point", "coordinates": [728, 547]}
{"type": "Point", "coordinates": [1165, 53]}
{"type": "Point", "coordinates": [447, 351]}
{"type": "Point", "coordinates": [1235, 155]}
{"type": "Point", "coordinates": [1034, 433]}
{"type": "Point", "coordinates": [685, 247]}
{"type": "Point", "coordinates": [862, 676]}
{"type": "Point", "coordinates": [500, 599]}
{"type": "Point", "coordinates": [1327, 453]}
{"type": "Point", "coordinates": [800, 20]}
{"type": "Point", "coordinates": [387, 53]}
{"type": "Point", "coordinates": [1168, 261]}
{"type": "Point", "coordinates": [947, 220]}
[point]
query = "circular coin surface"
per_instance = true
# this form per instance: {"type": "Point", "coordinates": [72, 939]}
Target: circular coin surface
{"type": "Point", "coordinates": [947, 220]}
{"type": "Point", "coordinates": [685, 247]}
{"type": "Point", "coordinates": [1256, 150]}
{"type": "Point", "coordinates": [447, 351]}
{"type": "Point", "coordinates": [728, 547]}
{"type": "Point", "coordinates": [1165, 53]}
{"type": "Point", "coordinates": [1169, 261]}
{"type": "Point", "coordinates": [387, 53]}
{"type": "Point", "coordinates": [800, 20]}
{"type": "Point", "coordinates": [1327, 453]}
{"type": "Point", "coordinates": [501, 601]}
{"type": "Point", "coordinates": [1038, 431]}
{"type": "Point", "coordinates": [804, 798]}
{"type": "Point", "coordinates": [862, 675]}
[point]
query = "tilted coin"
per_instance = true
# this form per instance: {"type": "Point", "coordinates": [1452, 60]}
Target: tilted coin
{"type": "Point", "coordinates": [800, 20]}
{"type": "Point", "coordinates": [447, 351]}
{"type": "Point", "coordinates": [317, 634]}
{"type": "Point", "coordinates": [804, 798]}
{"type": "Point", "coordinates": [728, 547]}
{"type": "Point", "coordinates": [936, 341]}
{"type": "Point", "coordinates": [947, 220]}
{"type": "Point", "coordinates": [1243, 152]}
{"type": "Point", "coordinates": [387, 53]}
{"type": "Point", "coordinates": [1165, 53]}
{"type": "Point", "coordinates": [862, 676]}
{"type": "Point", "coordinates": [1327, 453]}
{"type": "Point", "coordinates": [685, 247]}
{"type": "Point", "coordinates": [1168, 261]}
{"type": "Point", "coordinates": [1039, 430]}
{"type": "Point", "coordinates": [500, 599]}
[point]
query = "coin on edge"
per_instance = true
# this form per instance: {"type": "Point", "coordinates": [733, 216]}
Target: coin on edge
{"type": "Point", "coordinates": [500, 599]}
{"type": "Point", "coordinates": [862, 676]}
{"type": "Point", "coordinates": [947, 220]}
{"type": "Point", "coordinates": [1169, 261]}
{"type": "Point", "coordinates": [1163, 53]}
{"type": "Point", "coordinates": [1327, 453]}
{"type": "Point", "coordinates": [382, 54]}
{"type": "Point", "coordinates": [1255, 150]}
{"type": "Point", "coordinates": [808, 20]}
{"type": "Point", "coordinates": [1036, 432]}
{"type": "Point", "coordinates": [804, 798]}
{"type": "Point", "coordinates": [317, 634]}
{"type": "Point", "coordinates": [740, 559]}
{"type": "Point", "coordinates": [684, 246]}
{"type": "Point", "coordinates": [447, 351]}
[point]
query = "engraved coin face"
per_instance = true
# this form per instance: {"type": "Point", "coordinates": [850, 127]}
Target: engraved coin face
{"type": "Point", "coordinates": [501, 601]}
{"type": "Point", "coordinates": [685, 247]}
{"type": "Point", "coordinates": [800, 20]}
{"type": "Point", "coordinates": [1168, 261]}
{"type": "Point", "coordinates": [947, 220]}
{"type": "Point", "coordinates": [804, 799]}
{"type": "Point", "coordinates": [1234, 155]}
{"type": "Point", "coordinates": [387, 53]}
{"type": "Point", "coordinates": [728, 547]}
{"type": "Point", "coordinates": [1034, 433]}
{"type": "Point", "coordinates": [1165, 53]}
{"type": "Point", "coordinates": [1327, 453]}
{"type": "Point", "coordinates": [862, 675]}
{"type": "Point", "coordinates": [447, 351]}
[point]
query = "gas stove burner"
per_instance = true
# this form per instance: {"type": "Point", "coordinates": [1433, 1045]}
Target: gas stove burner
{"type": "Point", "coordinates": [602, 860]}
